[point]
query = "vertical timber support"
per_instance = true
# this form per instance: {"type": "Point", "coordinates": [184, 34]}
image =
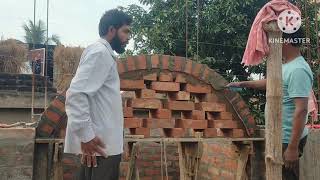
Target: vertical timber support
{"type": "Point", "coordinates": [190, 154]}
{"type": "Point", "coordinates": [274, 105]}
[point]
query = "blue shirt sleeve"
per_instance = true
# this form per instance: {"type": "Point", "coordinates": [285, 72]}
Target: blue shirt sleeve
{"type": "Point", "coordinates": [300, 83]}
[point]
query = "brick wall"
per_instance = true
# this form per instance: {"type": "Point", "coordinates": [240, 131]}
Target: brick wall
{"type": "Point", "coordinates": [23, 83]}
{"type": "Point", "coordinates": [219, 161]}
{"type": "Point", "coordinates": [16, 153]}
{"type": "Point", "coordinates": [167, 96]}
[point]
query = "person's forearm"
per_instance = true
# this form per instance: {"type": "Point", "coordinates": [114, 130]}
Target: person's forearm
{"type": "Point", "coordinates": [298, 126]}
{"type": "Point", "coordinates": [259, 84]}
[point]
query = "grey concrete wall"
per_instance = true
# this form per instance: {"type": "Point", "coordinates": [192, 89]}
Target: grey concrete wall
{"type": "Point", "coordinates": [10, 116]}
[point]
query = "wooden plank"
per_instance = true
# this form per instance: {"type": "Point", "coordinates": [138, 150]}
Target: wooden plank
{"type": "Point", "coordinates": [132, 163]}
{"type": "Point", "coordinates": [181, 162]}
{"type": "Point", "coordinates": [309, 163]}
{"type": "Point", "coordinates": [274, 105]}
{"type": "Point", "coordinates": [242, 162]}
{"type": "Point", "coordinates": [193, 139]}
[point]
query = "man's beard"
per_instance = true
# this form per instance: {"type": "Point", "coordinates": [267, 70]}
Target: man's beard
{"type": "Point", "coordinates": [117, 45]}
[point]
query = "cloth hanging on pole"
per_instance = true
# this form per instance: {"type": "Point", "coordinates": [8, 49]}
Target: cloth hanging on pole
{"type": "Point", "coordinates": [257, 46]}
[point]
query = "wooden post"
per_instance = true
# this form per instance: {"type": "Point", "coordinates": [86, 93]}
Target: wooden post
{"type": "Point", "coordinates": [274, 105]}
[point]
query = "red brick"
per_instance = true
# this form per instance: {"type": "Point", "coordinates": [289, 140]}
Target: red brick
{"type": "Point", "coordinates": [180, 96]}
{"type": "Point", "coordinates": [219, 116]}
{"type": "Point", "coordinates": [158, 123]}
{"type": "Point", "coordinates": [225, 116]}
{"type": "Point", "coordinates": [231, 165]}
{"type": "Point", "coordinates": [145, 103]}
{"type": "Point", "coordinates": [126, 85]}
{"type": "Point", "coordinates": [166, 86]}
{"type": "Point", "coordinates": [241, 104]}
{"type": "Point", "coordinates": [206, 74]}
{"type": "Point", "coordinates": [46, 128]}
{"type": "Point", "coordinates": [162, 114]}
{"type": "Point", "coordinates": [180, 105]}
{"type": "Point", "coordinates": [198, 115]}
{"type": "Point", "coordinates": [188, 123]}
{"type": "Point", "coordinates": [128, 94]}
{"type": "Point", "coordinates": [165, 77]}
{"type": "Point", "coordinates": [120, 67]}
{"type": "Point", "coordinates": [131, 64]}
{"type": "Point", "coordinates": [54, 117]}
{"type": "Point", "coordinates": [157, 132]}
{"type": "Point", "coordinates": [245, 112]}
{"type": "Point", "coordinates": [132, 122]}
{"type": "Point", "coordinates": [210, 132]}
{"type": "Point", "coordinates": [225, 124]}
{"type": "Point", "coordinates": [161, 96]}
{"type": "Point", "coordinates": [141, 62]}
{"type": "Point", "coordinates": [178, 62]}
{"type": "Point", "coordinates": [155, 61]}
{"type": "Point", "coordinates": [196, 70]}
{"type": "Point", "coordinates": [188, 67]}
{"type": "Point", "coordinates": [199, 88]}
{"type": "Point", "coordinates": [152, 172]}
{"type": "Point", "coordinates": [146, 94]}
{"type": "Point", "coordinates": [211, 97]}
{"type": "Point", "coordinates": [140, 131]}
{"type": "Point", "coordinates": [181, 78]}
{"type": "Point", "coordinates": [237, 133]}
{"type": "Point", "coordinates": [151, 77]}
{"type": "Point", "coordinates": [211, 107]}
{"type": "Point", "coordinates": [165, 62]}
{"type": "Point", "coordinates": [175, 132]}
{"type": "Point", "coordinates": [127, 112]}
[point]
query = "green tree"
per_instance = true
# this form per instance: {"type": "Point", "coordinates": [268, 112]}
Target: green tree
{"type": "Point", "coordinates": [36, 33]}
{"type": "Point", "coordinates": [223, 29]}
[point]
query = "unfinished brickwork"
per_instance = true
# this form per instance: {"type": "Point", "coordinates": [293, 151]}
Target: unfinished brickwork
{"type": "Point", "coordinates": [168, 96]}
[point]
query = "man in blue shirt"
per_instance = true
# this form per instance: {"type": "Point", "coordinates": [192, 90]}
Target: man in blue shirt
{"type": "Point", "coordinates": [297, 80]}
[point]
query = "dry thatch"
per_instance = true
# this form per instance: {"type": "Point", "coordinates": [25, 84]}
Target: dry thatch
{"type": "Point", "coordinates": [12, 56]}
{"type": "Point", "coordinates": [66, 60]}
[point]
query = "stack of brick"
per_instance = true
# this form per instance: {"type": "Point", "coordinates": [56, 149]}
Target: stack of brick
{"type": "Point", "coordinates": [167, 104]}
{"type": "Point", "coordinates": [168, 96]}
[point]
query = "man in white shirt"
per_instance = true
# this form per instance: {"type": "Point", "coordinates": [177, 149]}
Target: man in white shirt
{"type": "Point", "coordinates": [93, 102]}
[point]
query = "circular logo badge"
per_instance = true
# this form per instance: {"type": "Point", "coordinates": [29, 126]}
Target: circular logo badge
{"type": "Point", "coordinates": [289, 21]}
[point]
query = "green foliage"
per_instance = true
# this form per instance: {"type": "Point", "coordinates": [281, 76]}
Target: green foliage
{"type": "Point", "coordinates": [36, 33]}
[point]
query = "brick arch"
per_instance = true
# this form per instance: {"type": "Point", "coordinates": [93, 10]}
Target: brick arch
{"type": "Point", "coordinates": [53, 121]}
{"type": "Point", "coordinates": [135, 68]}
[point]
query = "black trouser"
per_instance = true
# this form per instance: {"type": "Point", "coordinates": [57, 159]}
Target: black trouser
{"type": "Point", "coordinates": [293, 174]}
{"type": "Point", "coordinates": [108, 169]}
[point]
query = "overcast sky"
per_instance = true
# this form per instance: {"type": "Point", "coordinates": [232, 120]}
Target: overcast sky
{"type": "Point", "coordinates": [75, 21]}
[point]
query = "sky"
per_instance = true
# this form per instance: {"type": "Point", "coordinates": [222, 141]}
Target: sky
{"type": "Point", "coordinates": [75, 21]}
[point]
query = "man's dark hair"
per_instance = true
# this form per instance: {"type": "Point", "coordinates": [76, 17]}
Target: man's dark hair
{"type": "Point", "coordinates": [115, 18]}
{"type": "Point", "coordinates": [297, 34]}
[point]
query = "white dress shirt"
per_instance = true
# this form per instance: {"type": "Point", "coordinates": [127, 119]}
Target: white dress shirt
{"type": "Point", "coordinates": [93, 101]}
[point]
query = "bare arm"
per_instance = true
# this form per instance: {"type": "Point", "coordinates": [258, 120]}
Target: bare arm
{"type": "Point", "coordinates": [259, 84]}
{"type": "Point", "coordinates": [299, 120]}
{"type": "Point", "coordinates": [291, 155]}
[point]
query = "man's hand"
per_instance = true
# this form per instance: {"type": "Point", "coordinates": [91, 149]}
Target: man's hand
{"type": "Point", "coordinates": [234, 84]}
{"type": "Point", "coordinates": [291, 157]}
{"type": "Point", "coordinates": [89, 151]}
